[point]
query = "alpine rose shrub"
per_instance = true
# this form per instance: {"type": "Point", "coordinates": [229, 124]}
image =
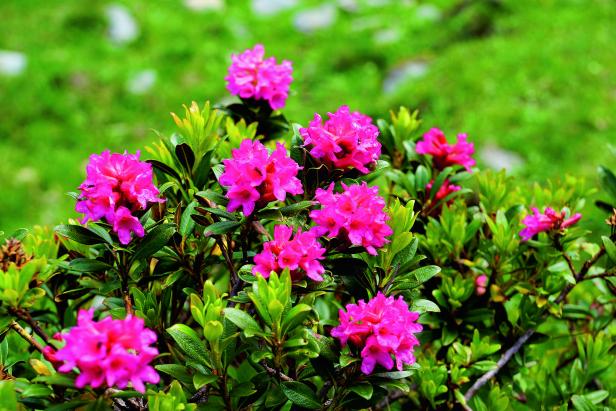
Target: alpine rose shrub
{"type": "Point", "coordinates": [109, 352]}
{"type": "Point", "coordinates": [255, 177]}
{"type": "Point", "coordinates": [444, 154]}
{"type": "Point", "coordinates": [346, 140]}
{"type": "Point", "coordinates": [356, 216]}
{"type": "Point", "coordinates": [220, 304]}
{"type": "Point", "coordinates": [300, 254]}
{"type": "Point", "coordinates": [383, 327]}
{"type": "Point", "coordinates": [252, 76]}
{"type": "Point", "coordinates": [117, 186]}
{"type": "Point", "coordinates": [550, 220]}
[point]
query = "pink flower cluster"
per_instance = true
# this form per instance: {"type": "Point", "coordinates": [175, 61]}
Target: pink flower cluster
{"type": "Point", "coordinates": [355, 216]}
{"type": "Point", "coordinates": [251, 76]}
{"type": "Point", "coordinates": [300, 255]}
{"type": "Point", "coordinates": [116, 186]}
{"type": "Point", "coordinates": [347, 140]}
{"type": "Point", "coordinates": [445, 189]}
{"type": "Point", "coordinates": [381, 328]}
{"type": "Point", "coordinates": [255, 177]}
{"type": "Point", "coordinates": [444, 154]}
{"type": "Point", "coordinates": [548, 221]}
{"type": "Point", "coordinates": [110, 352]}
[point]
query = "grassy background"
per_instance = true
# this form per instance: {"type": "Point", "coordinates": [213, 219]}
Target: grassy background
{"type": "Point", "coordinates": [534, 77]}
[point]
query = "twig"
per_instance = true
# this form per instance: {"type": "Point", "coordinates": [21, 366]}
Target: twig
{"type": "Point", "coordinates": [504, 359]}
{"type": "Point", "coordinates": [25, 316]}
{"type": "Point", "coordinates": [276, 373]}
{"type": "Point", "coordinates": [24, 334]}
{"type": "Point", "coordinates": [600, 275]}
{"type": "Point", "coordinates": [201, 396]}
{"type": "Point", "coordinates": [579, 276]}
{"type": "Point", "coordinates": [500, 364]}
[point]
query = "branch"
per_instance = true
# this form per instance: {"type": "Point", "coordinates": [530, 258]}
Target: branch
{"type": "Point", "coordinates": [276, 373]}
{"type": "Point", "coordinates": [24, 334]}
{"type": "Point", "coordinates": [504, 359]}
{"type": "Point", "coordinates": [500, 364]}
{"type": "Point", "coordinates": [580, 276]}
{"type": "Point", "coordinates": [25, 316]}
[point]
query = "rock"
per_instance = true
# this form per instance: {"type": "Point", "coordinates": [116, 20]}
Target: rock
{"type": "Point", "coordinates": [499, 158]}
{"type": "Point", "coordinates": [428, 12]}
{"type": "Point", "coordinates": [12, 63]}
{"type": "Point", "coordinates": [123, 28]}
{"type": "Point", "coordinates": [410, 70]}
{"type": "Point", "coordinates": [348, 5]}
{"type": "Point", "coordinates": [202, 5]}
{"type": "Point", "coordinates": [271, 7]}
{"type": "Point", "coordinates": [387, 36]}
{"type": "Point", "coordinates": [310, 20]}
{"type": "Point", "coordinates": [141, 82]}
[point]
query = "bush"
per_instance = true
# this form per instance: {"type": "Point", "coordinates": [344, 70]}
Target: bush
{"type": "Point", "coordinates": [370, 266]}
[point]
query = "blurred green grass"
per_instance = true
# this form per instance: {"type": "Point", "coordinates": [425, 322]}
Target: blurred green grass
{"type": "Point", "coordinates": [534, 77]}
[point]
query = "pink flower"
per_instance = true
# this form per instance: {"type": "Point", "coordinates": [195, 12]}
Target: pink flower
{"type": "Point", "coordinates": [480, 284]}
{"type": "Point", "coordinates": [109, 352]}
{"type": "Point", "coordinates": [445, 189]}
{"type": "Point", "coordinates": [382, 328]}
{"type": "Point", "coordinates": [300, 255]}
{"type": "Point", "coordinates": [116, 186]}
{"type": "Point", "coordinates": [443, 154]}
{"type": "Point", "coordinates": [550, 220]}
{"type": "Point", "coordinates": [347, 140]}
{"type": "Point", "coordinates": [255, 178]}
{"type": "Point", "coordinates": [251, 76]}
{"type": "Point", "coordinates": [356, 216]}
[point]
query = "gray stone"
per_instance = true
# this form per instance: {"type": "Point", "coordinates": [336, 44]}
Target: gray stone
{"type": "Point", "coordinates": [202, 5]}
{"type": "Point", "coordinates": [311, 20]}
{"type": "Point", "coordinates": [428, 12]}
{"type": "Point", "coordinates": [123, 27]}
{"type": "Point", "coordinates": [141, 82]}
{"type": "Point", "coordinates": [387, 36]}
{"type": "Point", "coordinates": [498, 158]}
{"type": "Point", "coordinates": [12, 63]}
{"type": "Point", "coordinates": [271, 7]}
{"type": "Point", "coordinates": [410, 70]}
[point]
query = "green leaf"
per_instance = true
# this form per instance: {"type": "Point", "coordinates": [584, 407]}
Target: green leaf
{"type": "Point", "coordinates": [187, 224]}
{"type": "Point", "coordinates": [393, 375]}
{"type": "Point", "coordinates": [581, 403]}
{"type": "Point", "coordinates": [423, 274]}
{"type": "Point", "coordinates": [88, 265]}
{"type": "Point", "coordinates": [156, 239]}
{"type": "Point", "coordinates": [423, 306]}
{"type": "Point", "coordinates": [186, 156]}
{"type": "Point", "coordinates": [79, 234]}
{"type": "Point", "coordinates": [165, 169]}
{"type": "Point", "coordinates": [295, 317]}
{"type": "Point", "coordinates": [179, 372]}
{"type": "Point", "coordinates": [221, 227]}
{"type": "Point", "coordinates": [610, 248]}
{"type": "Point", "coordinates": [213, 196]}
{"type": "Point", "coordinates": [243, 321]}
{"type": "Point", "coordinates": [199, 379]}
{"type": "Point", "coordinates": [188, 340]}
{"type": "Point", "coordinates": [8, 395]}
{"type": "Point", "coordinates": [364, 390]}
{"type": "Point", "coordinates": [300, 394]}
{"type": "Point", "coordinates": [296, 208]}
